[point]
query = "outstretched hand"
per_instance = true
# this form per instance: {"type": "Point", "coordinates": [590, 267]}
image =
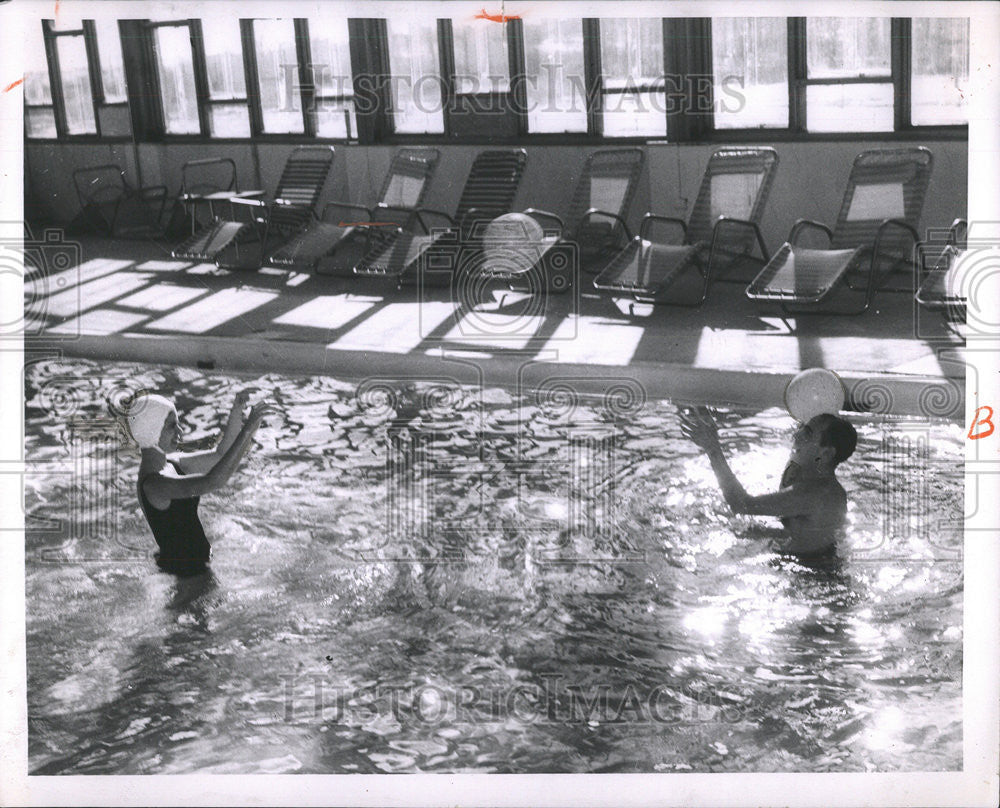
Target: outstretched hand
{"type": "Point", "coordinates": [700, 428]}
{"type": "Point", "coordinates": [260, 410]}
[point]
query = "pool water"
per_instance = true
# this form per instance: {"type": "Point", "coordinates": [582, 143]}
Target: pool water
{"type": "Point", "coordinates": [416, 578]}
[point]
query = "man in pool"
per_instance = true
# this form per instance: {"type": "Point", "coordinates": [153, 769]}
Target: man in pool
{"type": "Point", "coordinates": [170, 484]}
{"type": "Point", "coordinates": [811, 502]}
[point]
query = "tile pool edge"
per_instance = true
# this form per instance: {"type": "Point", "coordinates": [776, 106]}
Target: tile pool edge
{"type": "Point", "coordinates": [883, 393]}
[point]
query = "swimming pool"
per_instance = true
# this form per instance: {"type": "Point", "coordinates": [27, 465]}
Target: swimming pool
{"type": "Point", "coordinates": [423, 578]}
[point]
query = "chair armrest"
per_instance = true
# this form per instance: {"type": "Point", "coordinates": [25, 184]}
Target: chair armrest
{"type": "Point", "coordinates": [890, 223]}
{"type": "Point", "coordinates": [597, 212]}
{"type": "Point", "coordinates": [803, 224]}
{"type": "Point", "coordinates": [470, 217]}
{"type": "Point", "coordinates": [433, 212]}
{"type": "Point", "coordinates": [249, 202]}
{"type": "Point", "coordinates": [730, 221]}
{"type": "Point", "coordinates": [959, 225]}
{"type": "Point", "coordinates": [537, 213]}
{"type": "Point", "coordinates": [649, 218]}
{"type": "Point", "coordinates": [350, 206]}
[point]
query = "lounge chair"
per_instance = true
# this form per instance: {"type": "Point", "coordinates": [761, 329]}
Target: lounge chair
{"type": "Point", "coordinates": [875, 233]}
{"type": "Point", "coordinates": [294, 203]}
{"type": "Point", "coordinates": [721, 232]}
{"type": "Point", "coordinates": [595, 225]}
{"type": "Point", "coordinates": [488, 193]}
{"type": "Point", "coordinates": [204, 183]}
{"type": "Point", "coordinates": [109, 204]}
{"type": "Point", "coordinates": [344, 224]}
{"type": "Point", "coordinates": [942, 288]}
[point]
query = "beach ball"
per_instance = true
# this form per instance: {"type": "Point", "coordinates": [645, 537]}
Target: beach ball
{"type": "Point", "coordinates": [813, 392]}
{"type": "Point", "coordinates": [510, 242]}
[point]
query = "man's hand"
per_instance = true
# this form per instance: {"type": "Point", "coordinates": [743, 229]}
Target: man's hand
{"type": "Point", "coordinates": [700, 428]}
{"type": "Point", "coordinates": [241, 399]}
{"type": "Point", "coordinates": [260, 410]}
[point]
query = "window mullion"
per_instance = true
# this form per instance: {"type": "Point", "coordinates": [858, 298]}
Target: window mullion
{"type": "Point", "coordinates": [593, 76]}
{"type": "Point", "coordinates": [901, 58]}
{"type": "Point", "coordinates": [797, 74]}
{"type": "Point", "coordinates": [252, 78]}
{"type": "Point", "coordinates": [446, 58]}
{"type": "Point", "coordinates": [94, 69]}
{"type": "Point", "coordinates": [307, 77]}
{"type": "Point", "coordinates": [55, 80]}
{"type": "Point", "coordinates": [200, 67]}
{"type": "Point", "coordinates": [517, 92]}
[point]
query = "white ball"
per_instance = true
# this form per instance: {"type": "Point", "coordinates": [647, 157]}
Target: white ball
{"type": "Point", "coordinates": [510, 242]}
{"type": "Point", "coordinates": [813, 392]}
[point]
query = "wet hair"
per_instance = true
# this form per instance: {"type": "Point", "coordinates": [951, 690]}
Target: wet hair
{"type": "Point", "coordinates": [838, 433]}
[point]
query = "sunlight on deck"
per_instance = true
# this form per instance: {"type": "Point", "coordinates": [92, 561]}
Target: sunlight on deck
{"type": "Point", "coordinates": [213, 311]}
{"type": "Point", "coordinates": [397, 328]}
{"type": "Point", "coordinates": [328, 311]}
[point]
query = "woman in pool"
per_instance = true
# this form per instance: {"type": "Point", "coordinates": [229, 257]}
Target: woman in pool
{"type": "Point", "coordinates": [811, 502]}
{"type": "Point", "coordinates": [170, 484]}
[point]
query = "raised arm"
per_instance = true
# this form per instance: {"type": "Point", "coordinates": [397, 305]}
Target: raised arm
{"type": "Point", "coordinates": [699, 427]}
{"type": "Point", "coordinates": [202, 462]}
{"type": "Point", "coordinates": [160, 489]}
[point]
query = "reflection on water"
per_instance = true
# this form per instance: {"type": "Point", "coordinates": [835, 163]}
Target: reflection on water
{"type": "Point", "coordinates": [418, 579]}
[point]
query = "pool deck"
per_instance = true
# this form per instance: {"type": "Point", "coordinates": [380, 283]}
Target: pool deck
{"type": "Point", "coordinates": [130, 301]}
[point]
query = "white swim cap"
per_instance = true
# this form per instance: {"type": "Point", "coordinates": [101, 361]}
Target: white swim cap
{"type": "Point", "coordinates": [146, 418]}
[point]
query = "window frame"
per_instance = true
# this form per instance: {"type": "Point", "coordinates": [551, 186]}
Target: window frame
{"type": "Point", "coordinates": [99, 102]}
{"type": "Point", "coordinates": [687, 48]}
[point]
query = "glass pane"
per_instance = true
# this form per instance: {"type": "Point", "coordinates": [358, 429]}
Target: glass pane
{"type": "Point", "coordinates": [556, 87]}
{"type": "Point", "coordinates": [940, 78]}
{"type": "Point", "coordinates": [36, 67]}
{"type": "Point", "coordinates": [416, 85]}
{"type": "Point", "coordinates": [176, 72]}
{"type": "Point", "coordinates": [849, 108]}
{"type": "Point", "coordinates": [635, 114]}
{"type": "Point", "coordinates": [109, 49]}
{"type": "Point", "coordinates": [481, 64]}
{"type": "Point", "coordinates": [839, 47]}
{"type": "Point", "coordinates": [631, 52]}
{"type": "Point", "coordinates": [224, 58]}
{"type": "Point", "coordinates": [277, 71]}
{"type": "Point", "coordinates": [229, 120]}
{"type": "Point", "coordinates": [40, 122]}
{"type": "Point", "coordinates": [335, 118]}
{"type": "Point", "coordinates": [750, 68]}
{"type": "Point", "coordinates": [632, 57]}
{"type": "Point", "coordinates": [75, 75]}
{"type": "Point", "coordinates": [331, 56]}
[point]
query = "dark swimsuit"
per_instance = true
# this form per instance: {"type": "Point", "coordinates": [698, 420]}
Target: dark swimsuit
{"type": "Point", "coordinates": [184, 548]}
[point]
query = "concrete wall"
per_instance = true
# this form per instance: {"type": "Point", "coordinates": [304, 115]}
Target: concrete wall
{"type": "Point", "coordinates": [809, 184]}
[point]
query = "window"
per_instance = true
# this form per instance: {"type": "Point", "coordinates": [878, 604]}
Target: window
{"type": "Point", "coordinates": [109, 49]}
{"type": "Point", "coordinates": [225, 79]}
{"type": "Point", "coordinates": [277, 76]}
{"type": "Point", "coordinates": [633, 94]}
{"type": "Point", "coordinates": [849, 85]}
{"type": "Point", "coordinates": [330, 55]}
{"type": "Point", "coordinates": [750, 72]}
{"type": "Point", "coordinates": [175, 70]}
{"type": "Point", "coordinates": [481, 57]}
{"type": "Point", "coordinates": [74, 76]}
{"type": "Point", "coordinates": [39, 110]}
{"type": "Point", "coordinates": [415, 83]}
{"type": "Point", "coordinates": [556, 86]}
{"type": "Point", "coordinates": [939, 81]}
{"type": "Point", "coordinates": [75, 80]}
